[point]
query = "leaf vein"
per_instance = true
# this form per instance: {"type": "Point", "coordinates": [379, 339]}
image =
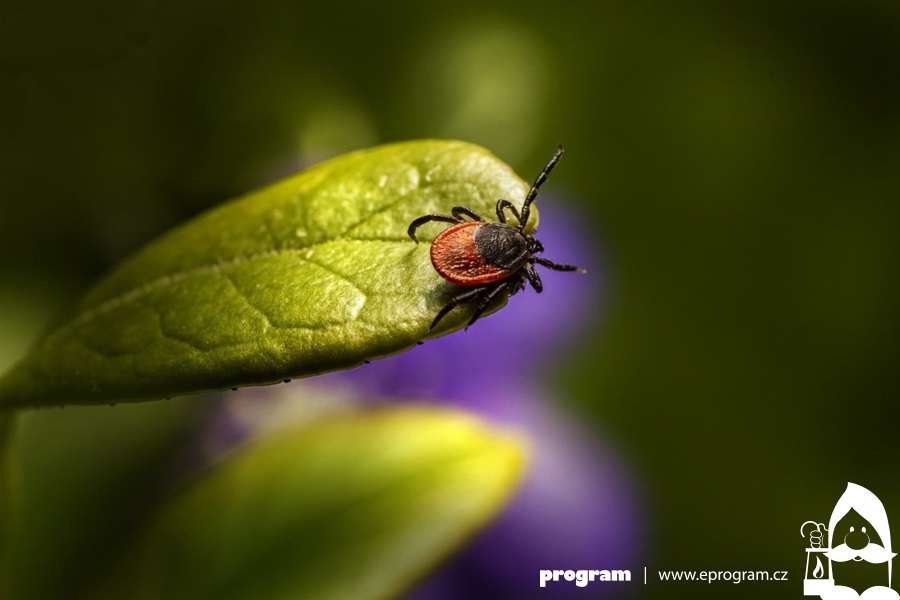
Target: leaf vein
{"type": "Point", "coordinates": [171, 279]}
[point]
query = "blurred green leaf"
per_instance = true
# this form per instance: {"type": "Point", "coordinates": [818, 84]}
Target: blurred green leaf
{"type": "Point", "coordinates": [7, 422]}
{"type": "Point", "coordinates": [358, 506]}
{"type": "Point", "coordinates": [82, 480]}
{"type": "Point", "coordinates": [311, 274]}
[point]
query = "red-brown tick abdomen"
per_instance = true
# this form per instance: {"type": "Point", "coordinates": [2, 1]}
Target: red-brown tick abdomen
{"type": "Point", "coordinates": [455, 256]}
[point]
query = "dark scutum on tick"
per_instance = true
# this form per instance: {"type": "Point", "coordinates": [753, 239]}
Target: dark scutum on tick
{"type": "Point", "coordinates": [488, 258]}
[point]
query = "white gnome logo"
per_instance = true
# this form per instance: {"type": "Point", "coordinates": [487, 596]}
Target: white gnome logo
{"type": "Point", "coordinates": [856, 545]}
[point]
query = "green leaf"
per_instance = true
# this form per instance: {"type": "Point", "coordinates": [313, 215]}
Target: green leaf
{"type": "Point", "coordinates": [7, 422]}
{"type": "Point", "coordinates": [312, 274]}
{"type": "Point", "coordinates": [82, 480]}
{"type": "Point", "coordinates": [354, 507]}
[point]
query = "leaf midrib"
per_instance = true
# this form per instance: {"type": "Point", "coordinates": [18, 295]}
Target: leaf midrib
{"type": "Point", "coordinates": [160, 283]}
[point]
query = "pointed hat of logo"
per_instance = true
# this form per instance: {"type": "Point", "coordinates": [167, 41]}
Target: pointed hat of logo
{"type": "Point", "coordinates": [869, 507]}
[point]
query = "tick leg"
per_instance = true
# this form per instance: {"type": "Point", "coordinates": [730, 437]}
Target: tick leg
{"type": "Point", "coordinates": [552, 265]}
{"type": "Point", "coordinates": [463, 297]}
{"type": "Point", "coordinates": [485, 300]}
{"type": "Point", "coordinates": [533, 278]}
{"type": "Point", "coordinates": [532, 193]}
{"type": "Point", "coordinates": [517, 286]}
{"type": "Point", "coordinates": [502, 205]}
{"type": "Point", "coordinates": [411, 231]}
{"type": "Point", "coordinates": [456, 211]}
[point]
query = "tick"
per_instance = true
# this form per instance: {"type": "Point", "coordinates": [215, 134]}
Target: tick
{"type": "Point", "coordinates": [487, 259]}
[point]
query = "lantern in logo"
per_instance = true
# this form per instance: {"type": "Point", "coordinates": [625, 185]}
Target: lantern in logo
{"type": "Point", "coordinates": [817, 575]}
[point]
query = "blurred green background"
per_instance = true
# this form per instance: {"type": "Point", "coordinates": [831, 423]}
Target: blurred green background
{"type": "Point", "coordinates": [737, 162]}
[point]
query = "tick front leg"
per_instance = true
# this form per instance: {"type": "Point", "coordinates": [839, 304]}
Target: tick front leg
{"type": "Point", "coordinates": [485, 301]}
{"type": "Point", "coordinates": [411, 230]}
{"type": "Point", "coordinates": [456, 211]}
{"type": "Point", "coordinates": [456, 300]}
{"type": "Point", "coordinates": [533, 278]}
{"type": "Point", "coordinates": [533, 192]}
{"type": "Point", "coordinates": [517, 285]}
{"type": "Point", "coordinates": [552, 265]}
{"type": "Point", "coordinates": [502, 206]}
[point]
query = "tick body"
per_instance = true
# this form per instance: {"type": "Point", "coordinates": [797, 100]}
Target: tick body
{"type": "Point", "coordinates": [487, 259]}
{"type": "Point", "coordinates": [475, 253]}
